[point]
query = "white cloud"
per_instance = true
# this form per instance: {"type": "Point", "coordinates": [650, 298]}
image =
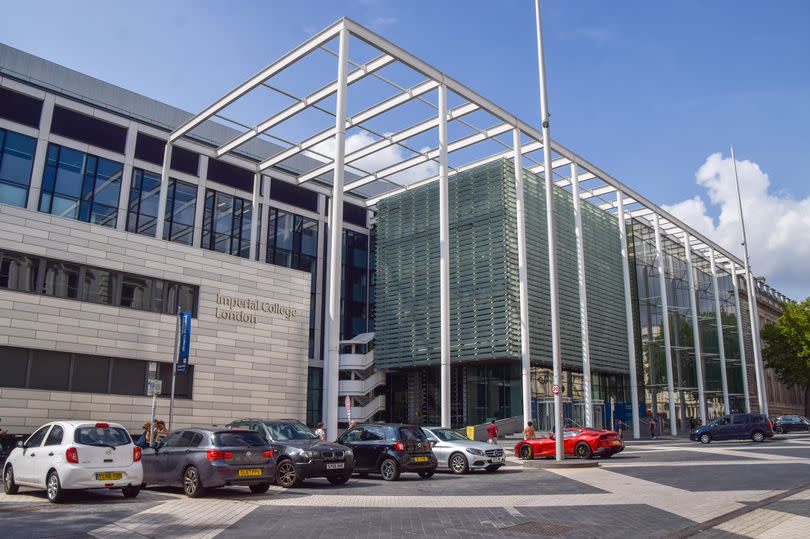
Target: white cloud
{"type": "Point", "coordinates": [381, 159]}
{"type": "Point", "coordinates": [778, 226]}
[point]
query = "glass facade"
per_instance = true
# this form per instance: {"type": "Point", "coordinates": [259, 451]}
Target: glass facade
{"type": "Point", "coordinates": [144, 196]}
{"type": "Point", "coordinates": [81, 186]}
{"type": "Point", "coordinates": [292, 242]}
{"type": "Point", "coordinates": [355, 284]}
{"type": "Point", "coordinates": [181, 203]}
{"type": "Point", "coordinates": [226, 224]}
{"type": "Point", "coordinates": [16, 161]}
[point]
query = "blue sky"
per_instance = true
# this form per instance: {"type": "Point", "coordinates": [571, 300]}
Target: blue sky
{"type": "Point", "coordinates": [647, 90]}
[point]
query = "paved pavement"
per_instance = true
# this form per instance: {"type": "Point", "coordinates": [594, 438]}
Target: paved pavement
{"type": "Point", "coordinates": [662, 488]}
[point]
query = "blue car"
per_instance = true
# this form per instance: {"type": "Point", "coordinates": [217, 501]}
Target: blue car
{"type": "Point", "coordinates": [755, 427]}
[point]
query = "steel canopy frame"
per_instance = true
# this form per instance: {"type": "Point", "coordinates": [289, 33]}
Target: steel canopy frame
{"type": "Point", "coordinates": [603, 194]}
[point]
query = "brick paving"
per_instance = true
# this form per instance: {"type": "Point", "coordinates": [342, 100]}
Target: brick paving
{"type": "Point", "coordinates": [662, 488]}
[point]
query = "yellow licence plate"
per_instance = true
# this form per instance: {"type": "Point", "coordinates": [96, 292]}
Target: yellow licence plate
{"type": "Point", "coordinates": [419, 459]}
{"type": "Point", "coordinates": [249, 472]}
{"type": "Point", "coordinates": [109, 476]}
{"type": "Point", "coordinates": [616, 442]}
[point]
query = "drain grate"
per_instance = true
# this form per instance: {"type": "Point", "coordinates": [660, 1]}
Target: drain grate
{"type": "Point", "coordinates": [548, 529]}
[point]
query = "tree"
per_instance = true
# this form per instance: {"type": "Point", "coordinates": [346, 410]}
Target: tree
{"type": "Point", "coordinates": [787, 349]}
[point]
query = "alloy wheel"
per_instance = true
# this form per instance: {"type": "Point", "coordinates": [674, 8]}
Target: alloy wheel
{"type": "Point", "coordinates": [286, 475]}
{"type": "Point", "coordinates": [388, 470]}
{"type": "Point", "coordinates": [705, 438]}
{"type": "Point", "coordinates": [525, 452]}
{"type": "Point", "coordinates": [54, 489]}
{"type": "Point", "coordinates": [9, 486]}
{"type": "Point", "coordinates": [191, 482]}
{"type": "Point", "coordinates": [758, 436]}
{"type": "Point", "coordinates": [458, 463]}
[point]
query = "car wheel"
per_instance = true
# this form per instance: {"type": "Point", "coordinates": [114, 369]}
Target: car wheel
{"type": "Point", "coordinates": [261, 488]}
{"type": "Point", "coordinates": [427, 475]}
{"type": "Point", "coordinates": [389, 469]}
{"type": "Point", "coordinates": [705, 438]}
{"type": "Point", "coordinates": [286, 475]}
{"type": "Point", "coordinates": [9, 485]}
{"type": "Point", "coordinates": [191, 483]}
{"type": "Point", "coordinates": [338, 479]}
{"type": "Point", "coordinates": [583, 450]}
{"type": "Point", "coordinates": [493, 468]}
{"type": "Point", "coordinates": [458, 463]}
{"type": "Point", "coordinates": [779, 430]}
{"type": "Point", "coordinates": [130, 491]}
{"type": "Point", "coordinates": [526, 452]}
{"type": "Point", "coordinates": [54, 488]}
{"type": "Point", "coordinates": [758, 436]}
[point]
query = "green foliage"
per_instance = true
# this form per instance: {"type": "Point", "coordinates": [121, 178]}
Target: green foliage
{"type": "Point", "coordinates": [788, 345]}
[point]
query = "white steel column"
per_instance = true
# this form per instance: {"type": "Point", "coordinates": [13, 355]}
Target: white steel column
{"type": "Point", "coordinates": [583, 298]}
{"type": "Point", "coordinates": [332, 360]}
{"type": "Point", "coordinates": [628, 313]}
{"type": "Point", "coordinates": [721, 344]}
{"type": "Point", "coordinates": [690, 274]}
{"type": "Point", "coordinates": [759, 369]}
{"type": "Point", "coordinates": [444, 258]}
{"type": "Point", "coordinates": [164, 190]}
{"type": "Point", "coordinates": [662, 284]}
{"type": "Point", "coordinates": [740, 340]}
{"type": "Point", "coordinates": [552, 241]}
{"type": "Point", "coordinates": [525, 349]}
{"type": "Point", "coordinates": [254, 216]}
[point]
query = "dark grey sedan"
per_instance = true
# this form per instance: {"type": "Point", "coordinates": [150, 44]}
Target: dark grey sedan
{"type": "Point", "coordinates": [201, 458]}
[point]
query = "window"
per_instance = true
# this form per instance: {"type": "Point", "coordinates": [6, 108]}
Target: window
{"type": "Point", "coordinates": [90, 374]}
{"type": "Point", "coordinates": [60, 279]}
{"type": "Point", "coordinates": [226, 224]}
{"type": "Point", "coordinates": [353, 435]}
{"type": "Point", "coordinates": [181, 202]}
{"type": "Point", "coordinates": [740, 419]}
{"type": "Point", "coordinates": [80, 186]}
{"type": "Point", "coordinates": [355, 284]}
{"type": "Point", "coordinates": [174, 439]}
{"type": "Point", "coordinates": [372, 434]}
{"type": "Point", "coordinates": [55, 436]}
{"type": "Point", "coordinates": [101, 435]}
{"type": "Point", "coordinates": [144, 196]}
{"type": "Point", "coordinates": [292, 240]}
{"type": "Point", "coordinates": [16, 162]}
{"type": "Point", "coordinates": [238, 439]}
{"type": "Point", "coordinates": [14, 366]}
{"type": "Point", "coordinates": [36, 439]}
{"type": "Point", "coordinates": [128, 377]}
{"type": "Point", "coordinates": [49, 370]}
{"type": "Point", "coordinates": [182, 381]}
{"type": "Point", "coordinates": [18, 271]}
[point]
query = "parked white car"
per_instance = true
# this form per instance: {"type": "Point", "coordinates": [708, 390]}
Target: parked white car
{"type": "Point", "coordinates": [68, 455]}
{"type": "Point", "coordinates": [460, 454]}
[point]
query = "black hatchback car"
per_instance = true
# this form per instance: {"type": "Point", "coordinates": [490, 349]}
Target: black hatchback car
{"type": "Point", "coordinates": [301, 454]}
{"type": "Point", "coordinates": [791, 423]}
{"type": "Point", "coordinates": [390, 449]}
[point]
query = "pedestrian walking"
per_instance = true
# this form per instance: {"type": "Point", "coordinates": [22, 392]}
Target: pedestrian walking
{"type": "Point", "coordinates": [652, 428]}
{"type": "Point", "coordinates": [320, 433]}
{"type": "Point", "coordinates": [528, 432]}
{"type": "Point", "coordinates": [492, 432]}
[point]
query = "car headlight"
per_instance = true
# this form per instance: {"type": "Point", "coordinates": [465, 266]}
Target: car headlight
{"type": "Point", "coordinates": [348, 453]}
{"type": "Point", "coordinates": [473, 451]}
{"type": "Point", "coordinates": [311, 454]}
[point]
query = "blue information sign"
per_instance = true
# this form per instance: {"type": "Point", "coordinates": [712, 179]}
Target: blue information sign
{"type": "Point", "coordinates": [185, 341]}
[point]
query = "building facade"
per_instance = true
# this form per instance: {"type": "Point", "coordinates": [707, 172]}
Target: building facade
{"type": "Point", "coordinates": [89, 293]}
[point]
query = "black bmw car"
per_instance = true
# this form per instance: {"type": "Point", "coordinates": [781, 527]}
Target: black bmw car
{"type": "Point", "coordinates": [390, 449]}
{"type": "Point", "coordinates": [301, 454]}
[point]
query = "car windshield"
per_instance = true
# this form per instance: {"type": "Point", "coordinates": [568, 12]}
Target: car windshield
{"type": "Point", "coordinates": [290, 431]}
{"type": "Point", "coordinates": [102, 436]}
{"type": "Point", "coordinates": [447, 435]}
{"type": "Point", "coordinates": [236, 438]}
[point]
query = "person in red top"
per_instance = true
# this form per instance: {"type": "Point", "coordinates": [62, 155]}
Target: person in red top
{"type": "Point", "coordinates": [492, 432]}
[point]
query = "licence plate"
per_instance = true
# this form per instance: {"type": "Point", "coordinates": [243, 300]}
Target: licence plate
{"type": "Point", "coordinates": [334, 466]}
{"type": "Point", "coordinates": [496, 459]}
{"type": "Point", "coordinates": [109, 476]}
{"type": "Point", "coordinates": [419, 459]}
{"type": "Point", "coordinates": [616, 442]}
{"type": "Point", "coordinates": [249, 472]}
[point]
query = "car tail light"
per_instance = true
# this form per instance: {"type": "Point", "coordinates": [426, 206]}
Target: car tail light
{"type": "Point", "coordinates": [136, 454]}
{"type": "Point", "coordinates": [102, 425]}
{"type": "Point", "coordinates": [399, 446]}
{"type": "Point", "coordinates": [216, 454]}
{"type": "Point", "coordinates": [770, 424]}
{"type": "Point", "coordinates": [72, 455]}
{"type": "Point", "coordinates": [269, 454]}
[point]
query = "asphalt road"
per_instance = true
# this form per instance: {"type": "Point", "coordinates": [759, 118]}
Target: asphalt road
{"type": "Point", "coordinates": [661, 488]}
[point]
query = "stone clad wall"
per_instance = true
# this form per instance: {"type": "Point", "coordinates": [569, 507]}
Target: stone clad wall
{"type": "Point", "coordinates": [251, 365]}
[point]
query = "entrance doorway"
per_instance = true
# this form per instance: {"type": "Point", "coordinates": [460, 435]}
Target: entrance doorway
{"type": "Point", "coordinates": [573, 413]}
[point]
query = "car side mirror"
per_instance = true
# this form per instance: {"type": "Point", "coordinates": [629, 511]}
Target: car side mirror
{"type": "Point", "coordinates": [21, 444]}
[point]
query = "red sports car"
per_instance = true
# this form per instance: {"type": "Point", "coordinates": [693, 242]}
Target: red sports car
{"type": "Point", "coordinates": [579, 442]}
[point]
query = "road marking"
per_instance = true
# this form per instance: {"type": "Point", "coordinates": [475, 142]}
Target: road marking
{"type": "Point", "coordinates": [512, 511]}
{"type": "Point", "coordinates": [665, 464]}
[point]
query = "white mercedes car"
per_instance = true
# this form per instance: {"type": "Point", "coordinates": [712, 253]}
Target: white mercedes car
{"type": "Point", "coordinates": [460, 454]}
{"type": "Point", "coordinates": [68, 455]}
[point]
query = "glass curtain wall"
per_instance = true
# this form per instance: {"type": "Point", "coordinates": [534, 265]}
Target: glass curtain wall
{"type": "Point", "coordinates": [226, 224]}
{"type": "Point", "coordinates": [355, 284]}
{"type": "Point", "coordinates": [16, 162]}
{"type": "Point", "coordinates": [181, 203]}
{"type": "Point", "coordinates": [709, 342]}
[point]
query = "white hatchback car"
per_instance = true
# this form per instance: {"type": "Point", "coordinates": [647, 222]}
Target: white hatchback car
{"type": "Point", "coordinates": [67, 455]}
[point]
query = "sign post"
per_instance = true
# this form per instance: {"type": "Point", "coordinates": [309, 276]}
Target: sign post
{"type": "Point", "coordinates": [182, 341]}
{"type": "Point", "coordinates": [154, 387]}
